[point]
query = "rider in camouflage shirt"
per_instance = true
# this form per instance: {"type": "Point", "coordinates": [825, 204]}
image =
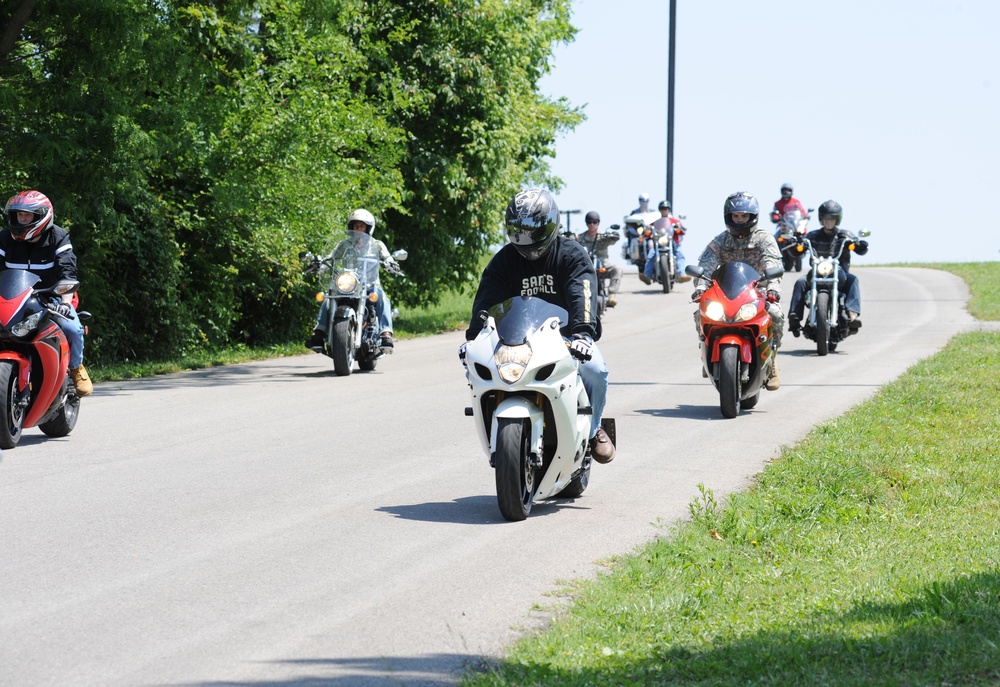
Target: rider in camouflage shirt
{"type": "Point", "coordinates": [744, 241]}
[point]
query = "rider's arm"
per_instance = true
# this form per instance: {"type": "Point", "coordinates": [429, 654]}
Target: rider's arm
{"type": "Point", "coordinates": [494, 287]}
{"type": "Point", "coordinates": [578, 278]}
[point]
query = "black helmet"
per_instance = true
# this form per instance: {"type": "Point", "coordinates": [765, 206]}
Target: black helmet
{"type": "Point", "coordinates": [831, 208]}
{"type": "Point", "coordinates": [741, 201]}
{"type": "Point", "coordinates": [664, 205]}
{"type": "Point", "coordinates": [786, 190]}
{"type": "Point", "coordinates": [591, 217]}
{"type": "Point", "coordinates": [532, 222]}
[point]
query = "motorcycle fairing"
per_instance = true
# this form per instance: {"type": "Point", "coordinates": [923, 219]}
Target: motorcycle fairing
{"type": "Point", "coordinates": [23, 368]}
{"type": "Point", "coordinates": [734, 278]}
{"type": "Point", "coordinates": [53, 349]}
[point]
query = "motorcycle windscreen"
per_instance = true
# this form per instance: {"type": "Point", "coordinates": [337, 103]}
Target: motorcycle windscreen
{"type": "Point", "coordinates": [517, 317]}
{"type": "Point", "coordinates": [13, 282]}
{"type": "Point", "coordinates": [734, 278]}
{"type": "Point", "coordinates": [358, 253]}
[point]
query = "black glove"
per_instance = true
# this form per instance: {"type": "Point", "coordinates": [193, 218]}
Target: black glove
{"type": "Point", "coordinates": [773, 296]}
{"type": "Point", "coordinates": [461, 354]}
{"type": "Point", "coordinates": [582, 347]}
{"type": "Point", "coordinates": [861, 247]}
{"type": "Point", "coordinates": [65, 310]}
{"type": "Point", "coordinates": [698, 293]}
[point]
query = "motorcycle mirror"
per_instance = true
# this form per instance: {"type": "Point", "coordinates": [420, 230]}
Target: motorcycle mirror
{"type": "Point", "coordinates": [400, 255]}
{"type": "Point", "coordinates": [483, 315]}
{"type": "Point", "coordinates": [615, 227]}
{"type": "Point", "coordinates": [306, 256]}
{"type": "Point", "coordinates": [864, 233]}
{"type": "Point", "coordinates": [694, 270]}
{"type": "Point", "coordinates": [774, 272]}
{"type": "Point", "coordinates": [682, 216]}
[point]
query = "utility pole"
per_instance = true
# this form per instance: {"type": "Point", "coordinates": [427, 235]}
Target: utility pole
{"type": "Point", "coordinates": [568, 213]}
{"type": "Point", "coordinates": [670, 102]}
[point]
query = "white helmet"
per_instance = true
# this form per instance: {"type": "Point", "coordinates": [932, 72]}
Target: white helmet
{"type": "Point", "coordinates": [362, 215]}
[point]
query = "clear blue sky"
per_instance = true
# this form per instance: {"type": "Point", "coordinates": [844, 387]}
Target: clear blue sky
{"type": "Point", "coordinates": [891, 107]}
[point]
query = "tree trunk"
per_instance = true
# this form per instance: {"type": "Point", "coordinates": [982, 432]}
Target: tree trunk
{"type": "Point", "coordinates": [14, 26]}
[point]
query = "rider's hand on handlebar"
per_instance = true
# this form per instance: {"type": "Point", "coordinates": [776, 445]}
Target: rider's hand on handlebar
{"type": "Point", "coordinates": [696, 296]}
{"type": "Point", "coordinates": [462, 354]}
{"type": "Point", "coordinates": [65, 310]}
{"type": "Point", "coordinates": [582, 347]}
{"type": "Point", "coordinates": [773, 296]}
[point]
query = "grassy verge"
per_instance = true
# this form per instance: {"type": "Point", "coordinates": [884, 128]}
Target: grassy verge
{"type": "Point", "coordinates": [867, 554]}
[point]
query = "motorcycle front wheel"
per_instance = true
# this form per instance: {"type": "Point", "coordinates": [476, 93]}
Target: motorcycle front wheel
{"type": "Point", "coordinates": [729, 381]}
{"type": "Point", "coordinates": [342, 347]}
{"type": "Point", "coordinates": [822, 323]}
{"type": "Point", "coordinates": [666, 272]}
{"type": "Point", "coordinates": [11, 414]}
{"type": "Point", "coordinates": [65, 418]}
{"type": "Point", "coordinates": [514, 473]}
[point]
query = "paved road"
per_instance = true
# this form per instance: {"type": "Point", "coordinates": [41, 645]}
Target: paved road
{"type": "Point", "coordinates": [273, 524]}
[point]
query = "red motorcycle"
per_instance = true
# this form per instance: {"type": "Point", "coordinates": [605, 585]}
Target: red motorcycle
{"type": "Point", "coordinates": [736, 337]}
{"type": "Point", "coordinates": [35, 389]}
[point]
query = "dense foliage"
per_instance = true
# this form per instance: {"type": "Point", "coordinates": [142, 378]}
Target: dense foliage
{"type": "Point", "coordinates": [194, 149]}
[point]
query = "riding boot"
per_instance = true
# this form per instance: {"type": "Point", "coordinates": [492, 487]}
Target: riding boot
{"type": "Point", "coordinates": [81, 380]}
{"type": "Point", "coordinates": [774, 381]}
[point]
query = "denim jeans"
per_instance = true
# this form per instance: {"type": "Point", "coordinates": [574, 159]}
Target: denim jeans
{"type": "Point", "coordinates": [73, 330]}
{"type": "Point", "coordinates": [594, 374]}
{"type": "Point", "coordinates": [848, 285]}
{"type": "Point", "coordinates": [383, 311]}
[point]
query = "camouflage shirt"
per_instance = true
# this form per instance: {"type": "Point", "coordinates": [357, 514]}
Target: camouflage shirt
{"type": "Point", "coordinates": [759, 250]}
{"type": "Point", "coordinates": [599, 243]}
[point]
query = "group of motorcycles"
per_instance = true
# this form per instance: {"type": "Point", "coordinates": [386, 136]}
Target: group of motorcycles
{"type": "Point", "coordinates": [651, 236]}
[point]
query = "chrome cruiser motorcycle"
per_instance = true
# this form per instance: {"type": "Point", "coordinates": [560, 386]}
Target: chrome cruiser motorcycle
{"type": "Point", "coordinates": [353, 329]}
{"type": "Point", "coordinates": [827, 323]}
{"type": "Point", "coordinates": [531, 409]}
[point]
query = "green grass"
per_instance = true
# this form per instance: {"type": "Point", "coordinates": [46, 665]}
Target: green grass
{"type": "Point", "coordinates": [867, 554]}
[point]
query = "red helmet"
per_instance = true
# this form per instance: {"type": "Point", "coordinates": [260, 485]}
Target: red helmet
{"type": "Point", "coordinates": [38, 205]}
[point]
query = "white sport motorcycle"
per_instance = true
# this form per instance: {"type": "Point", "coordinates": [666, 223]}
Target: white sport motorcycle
{"type": "Point", "coordinates": [532, 411]}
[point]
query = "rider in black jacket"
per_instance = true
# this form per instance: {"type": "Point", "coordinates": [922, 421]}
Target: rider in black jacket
{"type": "Point", "coordinates": [824, 241]}
{"type": "Point", "coordinates": [31, 241]}
{"type": "Point", "coordinates": [540, 262]}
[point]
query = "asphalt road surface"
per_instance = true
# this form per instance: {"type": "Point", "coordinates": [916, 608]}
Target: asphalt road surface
{"type": "Point", "coordinates": [274, 524]}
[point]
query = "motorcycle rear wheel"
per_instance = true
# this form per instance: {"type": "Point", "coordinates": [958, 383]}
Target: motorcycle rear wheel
{"type": "Point", "coordinates": [65, 419]}
{"type": "Point", "coordinates": [11, 415]}
{"type": "Point", "coordinates": [515, 475]}
{"type": "Point", "coordinates": [822, 323]}
{"type": "Point", "coordinates": [730, 388]}
{"type": "Point", "coordinates": [342, 347]}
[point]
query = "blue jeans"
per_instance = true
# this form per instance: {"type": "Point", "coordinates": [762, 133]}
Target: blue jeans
{"type": "Point", "coordinates": [679, 262]}
{"type": "Point", "coordinates": [73, 330]}
{"type": "Point", "coordinates": [848, 285]}
{"type": "Point", "coordinates": [383, 311]}
{"type": "Point", "coordinates": [594, 374]}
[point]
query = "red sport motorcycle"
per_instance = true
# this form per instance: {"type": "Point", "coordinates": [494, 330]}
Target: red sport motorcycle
{"type": "Point", "coordinates": [736, 337]}
{"type": "Point", "coordinates": [35, 389]}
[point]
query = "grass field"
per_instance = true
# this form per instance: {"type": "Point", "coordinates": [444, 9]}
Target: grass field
{"type": "Point", "coordinates": [868, 554]}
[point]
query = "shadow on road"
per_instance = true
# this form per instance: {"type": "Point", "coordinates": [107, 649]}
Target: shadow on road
{"type": "Point", "coordinates": [434, 670]}
{"type": "Point", "coordinates": [470, 510]}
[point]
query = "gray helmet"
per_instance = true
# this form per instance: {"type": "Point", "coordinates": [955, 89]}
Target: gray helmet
{"type": "Point", "coordinates": [786, 190]}
{"type": "Point", "coordinates": [532, 222]}
{"type": "Point", "coordinates": [831, 208]}
{"type": "Point", "coordinates": [664, 205]}
{"type": "Point", "coordinates": [591, 216]}
{"type": "Point", "coordinates": [741, 201]}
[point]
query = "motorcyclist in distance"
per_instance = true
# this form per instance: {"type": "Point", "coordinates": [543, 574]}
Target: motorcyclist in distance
{"type": "Point", "coordinates": [363, 221]}
{"type": "Point", "coordinates": [786, 202]}
{"type": "Point", "coordinates": [31, 240]}
{"type": "Point", "coordinates": [599, 243]}
{"type": "Point", "coordinates": [632, 236]}
{"type": "Point", "coordinates": [668, 222]}
{"type": "Point", "coordinates": [541, 262]}
{"type": "Point", "coordinates": [745, 241]}
{"type": "Point", "coordinates": [824, 241]}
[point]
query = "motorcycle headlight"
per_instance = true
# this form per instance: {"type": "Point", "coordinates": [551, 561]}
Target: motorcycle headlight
{"type": "Point", "coordinates": [27, 325]}
{"type": "Point", "coordinates": [715, 311]}
{"type": "Point", "coordinates": [746, 312]}
{"type": "Point", "coordinates": [346, 282]}
{"type": "Point", "coordinates": [512, 361]}
{"type": "Point", "coordinates": [664, 241]}
{"type": "Point", "coordinates": [825, 268]}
